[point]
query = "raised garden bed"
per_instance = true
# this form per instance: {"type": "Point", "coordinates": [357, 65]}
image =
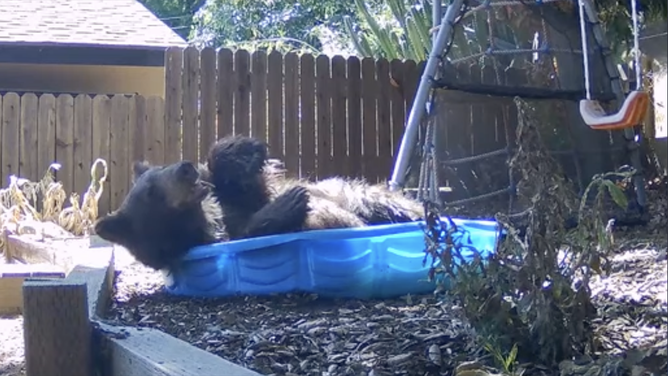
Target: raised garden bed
{"type": "Point", "coordinates": [64, 331]}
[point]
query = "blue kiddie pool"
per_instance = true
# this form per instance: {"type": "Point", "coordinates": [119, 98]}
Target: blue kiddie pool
{"type": "Point", "coordinates": [368, 262]}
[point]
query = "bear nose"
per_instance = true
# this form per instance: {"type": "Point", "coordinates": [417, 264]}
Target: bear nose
{"type": "Point", "coordinates": [188, 171]}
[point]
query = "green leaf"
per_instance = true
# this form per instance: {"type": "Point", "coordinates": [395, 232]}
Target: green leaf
{"type": "Point", "coordinates": [617, 194]}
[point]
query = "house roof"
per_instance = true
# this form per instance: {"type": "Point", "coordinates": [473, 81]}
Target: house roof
{"type": "Point", "coordinates": [83, 23]}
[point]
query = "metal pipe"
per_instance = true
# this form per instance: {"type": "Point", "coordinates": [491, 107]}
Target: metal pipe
{"type": "Point", "coordinates": [435, 15]}
{"type": "Point", "coordinates": [417, 111]}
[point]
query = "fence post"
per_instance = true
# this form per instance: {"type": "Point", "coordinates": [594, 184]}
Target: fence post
{"type": "Point", "coordinates": [57, 332]}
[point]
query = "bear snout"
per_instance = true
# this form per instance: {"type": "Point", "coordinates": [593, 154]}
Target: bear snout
{"type": "Point", "coordinates": [187, 172]}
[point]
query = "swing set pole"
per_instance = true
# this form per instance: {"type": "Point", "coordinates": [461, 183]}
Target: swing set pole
{"type": "Point", "coordinates": [418, 110]}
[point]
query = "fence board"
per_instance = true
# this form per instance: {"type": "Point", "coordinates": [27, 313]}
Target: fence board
{"type": "Point", "coordinates": [173, 97]}
{"type": "Point", "coordinates": [137, 129]}
{"type": "Point", "coordinates": [275, 102]}
{"type": "Point", "coordinates": [207, 120]}
{"type": "Point", "coordinates": [226, 81]}
{"type": "Point", "coordinates": [46, 125]}
{"type": "Point", "coordinates": [384, 124]}
{"type": "Point", "coordinates": [258, 84]}
{"type": "Point", "coordinates": [65, 141]}
{"type": "Point", "coordinates": [369, 119]}
{"type": "Point", "coordinates": [11, 115]}
{"type": "Point", "coordinates": [190, 121]}
{"type": "Point", "coordinates": [339, 139]}
{"type": "Point", "coordinates": [83, 146]}
{"type": "Point", "coordinates": [397, 104]}
{"type": "Point", "coordinates": [119, 166]}
{"type": "Point", "coordinates": [291, 128]}
{"type": "Point", "coordinates": [354, 117]}
{"type": "Point", "coordinates": [29, 134]}
{"type": "Point", "coordinates": [324, 120]}
{"type": "Point", "coordinates": [155, 130]}
{"type": "Point", "coordinates": [101, 127]}
{"type": "Point", "coordinates": [307, 118]}
{"type": "Point", "coordinates": [242, 93]}
{"type": "Point", "coordinates": [410, 84]}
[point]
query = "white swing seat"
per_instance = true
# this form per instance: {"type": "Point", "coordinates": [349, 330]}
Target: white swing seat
{"type": "Point", "coordinates": [631, 113]}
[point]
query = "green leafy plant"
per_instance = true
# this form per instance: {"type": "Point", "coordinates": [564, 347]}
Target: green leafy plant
{"type": "Point", "coordinates": [506, 363]}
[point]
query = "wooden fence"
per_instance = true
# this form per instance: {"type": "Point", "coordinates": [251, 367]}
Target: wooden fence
{"type": "Point", "coordinates": [323, 116]}
{"type": "Point", "coordinates": [40, 130]}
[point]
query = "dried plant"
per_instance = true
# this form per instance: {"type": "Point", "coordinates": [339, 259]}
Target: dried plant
{"type": "Point", "coordinates": [28, 207]}
{"type": "Point", "coordinates": [532, 294]}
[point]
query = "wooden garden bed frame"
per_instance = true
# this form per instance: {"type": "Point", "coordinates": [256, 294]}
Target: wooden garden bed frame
{"type": "Point", "coordinates": [65, 333]}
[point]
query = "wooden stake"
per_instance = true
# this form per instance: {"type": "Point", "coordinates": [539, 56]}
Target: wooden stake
{"type": "Point", "coordinates": [57, 330]}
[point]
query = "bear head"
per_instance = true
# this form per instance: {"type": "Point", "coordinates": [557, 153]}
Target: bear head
{"type": "Point", "coordinates": [162, 216]}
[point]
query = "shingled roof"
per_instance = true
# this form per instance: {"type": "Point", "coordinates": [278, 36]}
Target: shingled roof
{"type": "Point", "coordinates": [83, 22]}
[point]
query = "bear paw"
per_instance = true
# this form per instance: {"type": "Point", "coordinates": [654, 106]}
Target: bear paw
{"type": "Point", "coordinates": [286, 214]}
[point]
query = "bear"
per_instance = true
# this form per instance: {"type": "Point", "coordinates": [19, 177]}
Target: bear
{"type": "Point", "coordinates": [245, 181]}
{"type": "Point", "coordinates": [171, 209]}
{"type": "Point", "coordinates": [239, 193]}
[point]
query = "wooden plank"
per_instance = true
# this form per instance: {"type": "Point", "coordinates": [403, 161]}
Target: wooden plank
{"type": "Point", "coordinates": [12, 277]}
{"type": "Point", "coordinates": [173, 104]}
{"type": "Point", "coordinates": [138, 355]}
{"type": "Point", "coordinates": [242, 93]}
{"type": "Point", "coordinates": [496, 137]}
{"type": "Point", "coordinates": [119, 143]}
{"type": "Point", "coordinates": [259, 95]}
{"type": "Point", "coordinates": [339, 160]}
{"type": "Point", "coordinates": [57, 332]}
{"type": "Point", "coordinates": [307, 118]}
{"type": "Point", "coordinates": [137, 129]}
{"type": "Point", "coordinates": [190, 125]}
{"type": "Point", "coordinates": [83, 142]}
{"type": "Point", "coordinates": [155, 130]}
{"type": "Point", "coordinates": [397, 103]}
{"type": "Point", "coordinates": [454, 134]}
{"type": "Point", "coordinates": [369, 152]}
{"type": "Point", "coordinates": [207, 121]}
{"type": "Point", "coordinates": [481, 126]}
{"type": "Point", "coordinates": [323, 96]}
{"type": "Point", "coordinates": [412, 72]}
{"type": "Point", "coordinates": [354, 117]}
{"type": "Point", "coordinates": [292, 151]}
{"type": "Point", "coordinates": [384, 124]}
{"type": "Point", "coordinates": [11, 116]}
{"type": "Point", "coordinates": [225, 87]}
{"type": "Point", "coordinates": [275, 104]}
{"type": "Point", "coordinates": [65, 141]}
{"type": "Point", "coordinates": [46, 138]}
{"type": "Point", "coordinates": [29, 135]}
{"type": "Point", "coordinates": [101, 128]}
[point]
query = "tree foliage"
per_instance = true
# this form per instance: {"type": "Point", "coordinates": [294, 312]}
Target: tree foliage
{"type": "Point", "coordinates": [388, 28]}
{"type": "Point", "coordinates": [177, 14]}
{"type": "Point", "coordinates": [296, 23]}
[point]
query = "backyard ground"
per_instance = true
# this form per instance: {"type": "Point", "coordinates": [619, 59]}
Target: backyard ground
{"type": "Point", "coordinates": [414, 335]}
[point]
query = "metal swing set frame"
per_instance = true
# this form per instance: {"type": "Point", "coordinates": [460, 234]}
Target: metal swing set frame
{"type": "Point", "coordinates": [633, 109]}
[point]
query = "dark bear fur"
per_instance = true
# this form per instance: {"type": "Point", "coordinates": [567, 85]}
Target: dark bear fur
{"type": "Point", "coordinates": [170, 209]}
{"type": "Point", "coordinates": [167, 211]}
{"type": "Point", "coordinates": [245, 182]}
{"type": "Point", "coordinates": [238, 194]}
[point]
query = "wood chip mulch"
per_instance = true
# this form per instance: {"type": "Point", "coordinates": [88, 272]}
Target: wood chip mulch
{"type": "Point", "coordinates": [299, 334]}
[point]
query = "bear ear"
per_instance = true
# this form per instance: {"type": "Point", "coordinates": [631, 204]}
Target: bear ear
{"type": "Point", "coordinates": [114, 228]}
{"type": "Point", "coordinates": [139, 168]}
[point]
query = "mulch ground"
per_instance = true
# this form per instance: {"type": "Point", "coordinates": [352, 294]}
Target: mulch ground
{"type": "Point", "coordinates": [299, 334]}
